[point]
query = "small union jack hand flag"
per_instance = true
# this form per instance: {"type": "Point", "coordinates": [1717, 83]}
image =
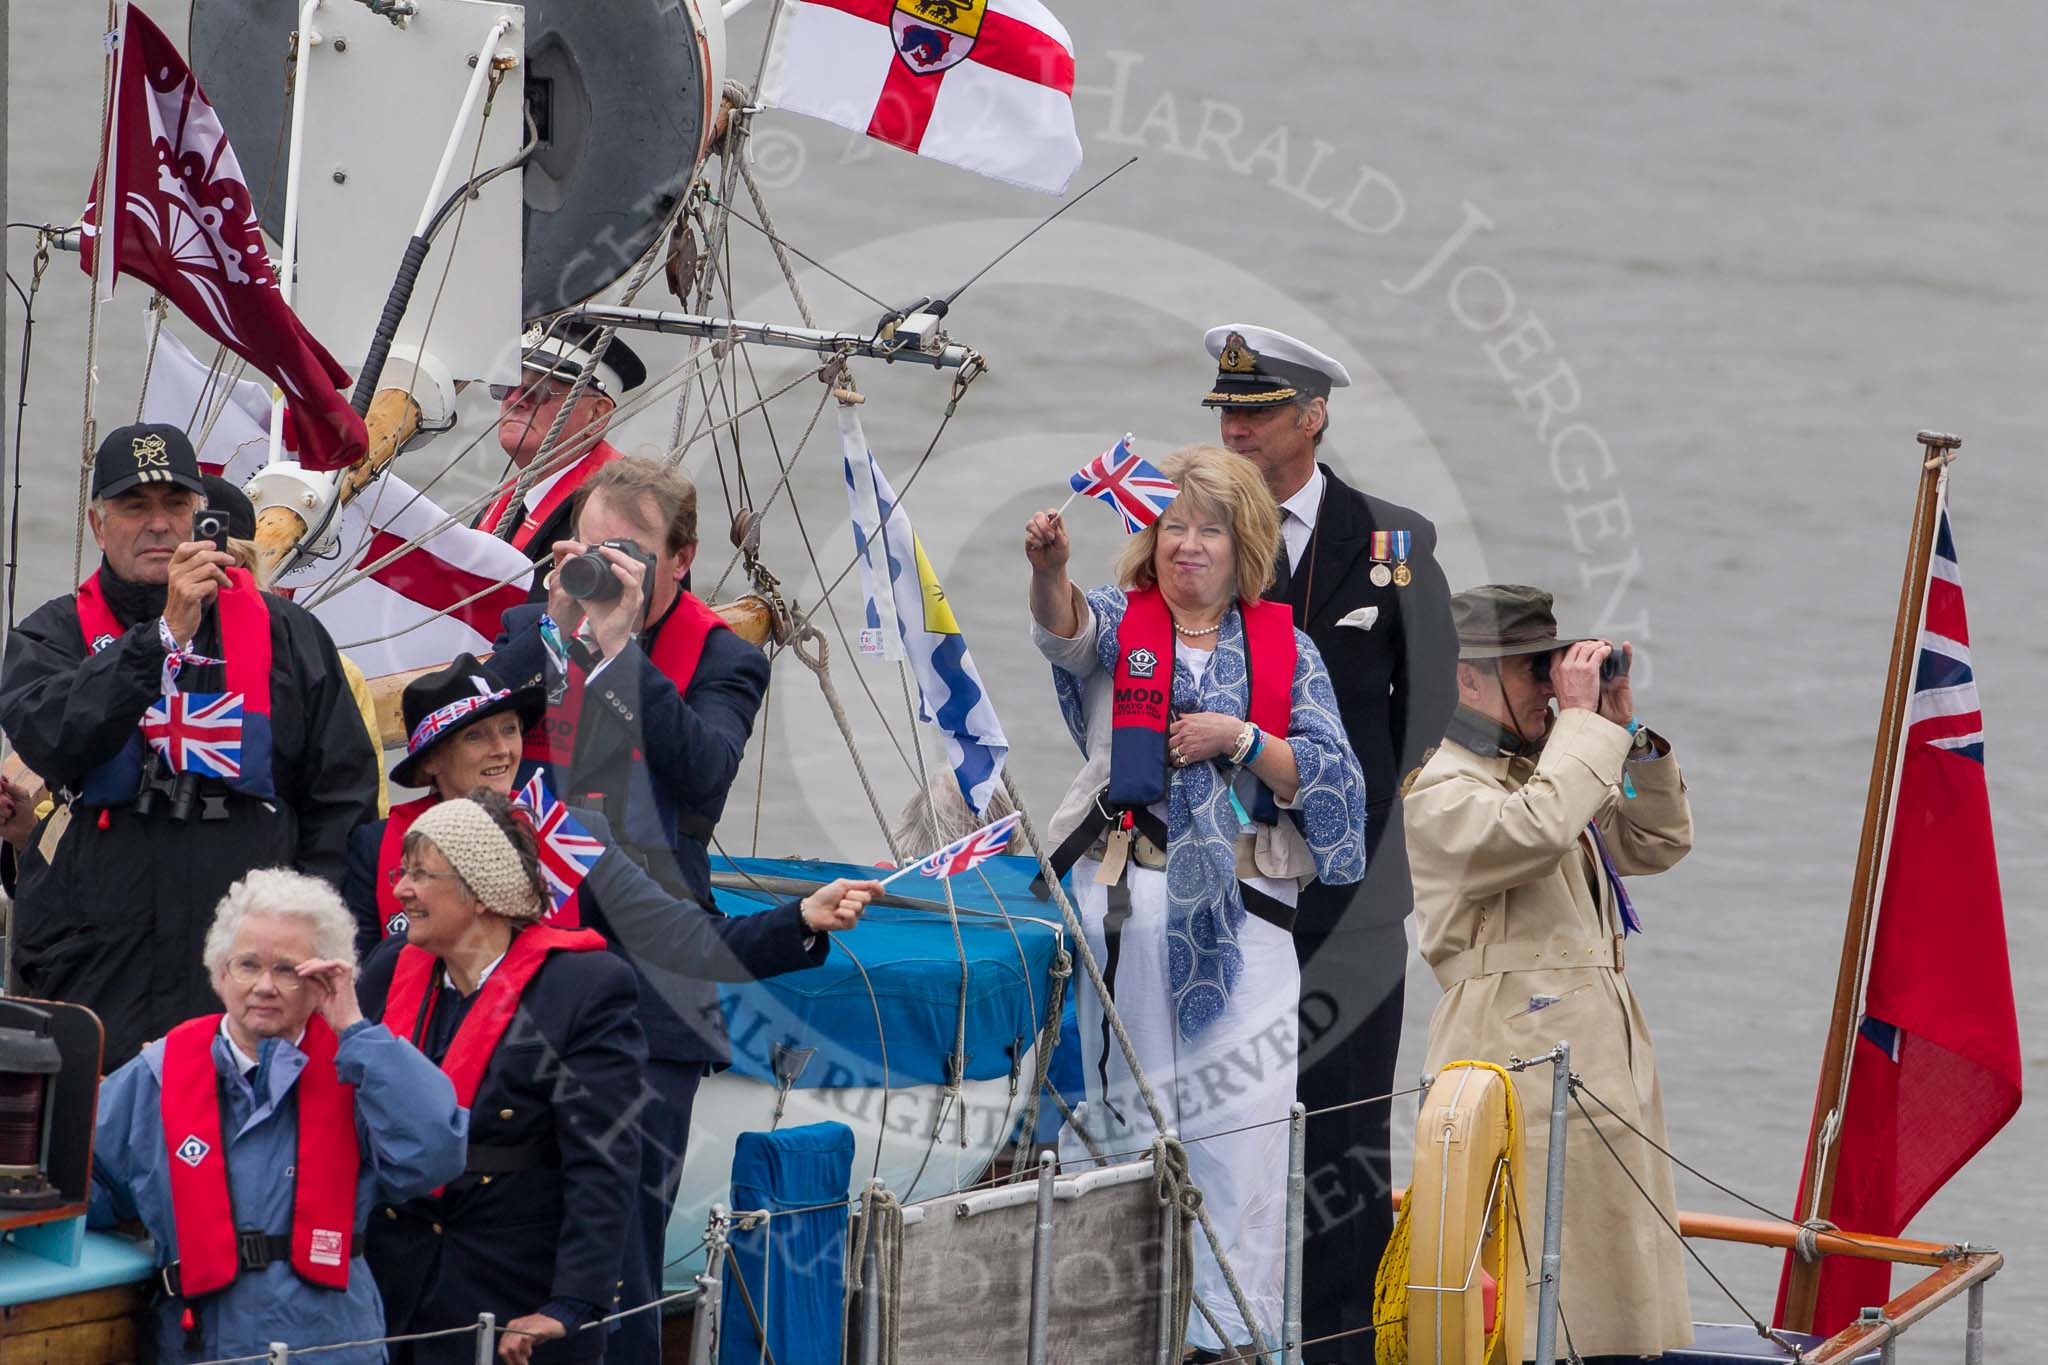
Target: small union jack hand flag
{"type": "Point", "coordinates": [1131, 485]}
{"type": "Point", "coordinates": [963, 854]}
{"type": "Point", "coordinates": [197, 732]}
{"type": "Point", "coordinates": [567, 850]}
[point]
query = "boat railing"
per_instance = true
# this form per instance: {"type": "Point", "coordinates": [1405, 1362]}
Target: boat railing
{"type": "Point", "coordinates": [1959, 1270]}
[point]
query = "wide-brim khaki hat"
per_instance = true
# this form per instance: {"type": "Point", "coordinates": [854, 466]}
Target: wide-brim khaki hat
{"type": "Point", "coordinates": [1503, 620]}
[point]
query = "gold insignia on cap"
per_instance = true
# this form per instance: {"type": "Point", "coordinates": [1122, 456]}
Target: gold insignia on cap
{"type": "Point", "coordinates": [1238, 357]}
{"type": "Point", "coordinates": [151, 453]}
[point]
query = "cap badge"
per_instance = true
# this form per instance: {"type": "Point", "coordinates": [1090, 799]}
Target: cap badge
{"type": "Point", "coordinates": [1141, 662]}
{"type": "Point", "coordinates": [1238, 357]}
{"type": "Point", "coordinates": [151, 452]}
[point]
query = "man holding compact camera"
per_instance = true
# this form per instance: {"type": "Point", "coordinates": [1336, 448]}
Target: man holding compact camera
{"type": "Point", "coordinates": [651, 699]}
{"type": "Point", "coordinates": [1520, 831]}
{"type": "Point", "coordinates": [191, 726]}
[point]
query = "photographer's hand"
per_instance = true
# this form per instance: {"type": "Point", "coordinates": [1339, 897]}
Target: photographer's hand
{"type": "Point", "coordinates": [566, 610]}
{"type": "Point", "coordinates": [1575, 677]}
{"type": "Point", "coordinates": [616, 622]}
{"type": "Point", "coordinates": [1617, 702]}
{"type": "Point", "coordinates": [197, 574]}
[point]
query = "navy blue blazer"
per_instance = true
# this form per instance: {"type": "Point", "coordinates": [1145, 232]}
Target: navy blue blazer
{"type": "Point", "coordinates": [657, 761]}
{"type": "Point", "coordinates": [1396, 684]}
{"type": "Point", "coordinates": [565, 1079]}
{"type": "Point", "coordinates": [676, 946]}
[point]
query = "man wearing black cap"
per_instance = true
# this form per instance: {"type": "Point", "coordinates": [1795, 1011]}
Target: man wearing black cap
{"type": "Point", "coordinates": [1362, 577]}
{"type": "Point", "coordinates": [550, 362]}
{"type": "Point", "coordinates": [195, 728]}
{"type": "Point", "coordinates": [1520, 830]}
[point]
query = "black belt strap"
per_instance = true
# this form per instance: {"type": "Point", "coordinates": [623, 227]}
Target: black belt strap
{"type": "Point", "coordinates": [493, 1159]}
{"type": "Point", "coordinates": [253, 1251]}
{"type": "Point", "coordinates": [1277, 913]}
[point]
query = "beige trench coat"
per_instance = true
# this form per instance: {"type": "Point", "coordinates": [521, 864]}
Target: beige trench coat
{"type": "Point", "coordinates": [1510, 904]}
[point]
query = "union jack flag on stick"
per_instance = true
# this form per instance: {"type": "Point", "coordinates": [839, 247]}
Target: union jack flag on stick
{"type": "Point", "coordinates": [567, 850]}
{"type": "Point", "coordinates": [1137, 490]}
{"type": "Point", "coordinates": [197, 732]}
{"type": "Point", "coordinates": [962, 855]}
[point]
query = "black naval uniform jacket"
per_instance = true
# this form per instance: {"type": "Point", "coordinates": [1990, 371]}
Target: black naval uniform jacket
{"type": "Point", "coordinates": [545, 1227]}
{"type": "Point", "coordinates": [1396, 684]}
{"type": "Point", "coordinates": [116, 917]}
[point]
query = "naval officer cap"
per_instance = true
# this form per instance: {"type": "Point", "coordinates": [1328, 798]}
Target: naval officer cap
{"type": "Point", "coordinates": [147, 452]}
{"type": "Point", "coordinates": [563, 352]}
{"type": "Point", "coordinates": [1257, 366]}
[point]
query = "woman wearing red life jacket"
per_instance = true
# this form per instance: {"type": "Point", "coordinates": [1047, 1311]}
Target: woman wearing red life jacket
{"type": "Point", "coordinates": [538, 1028]}
{"type": "Point", "coordinates": [1217, 782]}
{"type": "Point", "coordinates": [254, 1144]}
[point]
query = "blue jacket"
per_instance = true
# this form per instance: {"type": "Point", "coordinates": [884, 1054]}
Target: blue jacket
{"type": "Point", "coordinates": [655, 760]}
{"type": "Point", "coordinates": [563, 1084]}
{"type": "Point", "coordinates": [676, 945]}
{"type": "Point", "coordinates": [412, 1134]}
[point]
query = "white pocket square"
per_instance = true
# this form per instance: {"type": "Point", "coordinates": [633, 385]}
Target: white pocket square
{"type": "Point", "coordinates": [1363, 619]}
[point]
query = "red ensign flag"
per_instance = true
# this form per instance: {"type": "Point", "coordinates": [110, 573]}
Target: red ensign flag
{"type": "Point", "coordinates": [1936, 1070]}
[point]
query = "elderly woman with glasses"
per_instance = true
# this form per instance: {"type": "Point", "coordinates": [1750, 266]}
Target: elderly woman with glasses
{"type": "Point", "coordinates": [538, 1028]}
{"type": "Point", "coordinates": [1217, 782]}
{"type": "Point", "coordinates": [253, 1144]}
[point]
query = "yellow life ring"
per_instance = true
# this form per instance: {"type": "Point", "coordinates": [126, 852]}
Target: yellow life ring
{"type": "Point", "coordinates": [1451, 1288]}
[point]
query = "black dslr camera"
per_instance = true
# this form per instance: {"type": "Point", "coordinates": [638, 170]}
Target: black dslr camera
{"type": "Point", "coordinates": [588, 577]}
{"type": "Point", "coordinates": [1615, 665]}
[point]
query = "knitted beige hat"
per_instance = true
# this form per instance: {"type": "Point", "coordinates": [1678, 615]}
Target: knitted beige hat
{"type": "Point", "coordinates": [482, 856]}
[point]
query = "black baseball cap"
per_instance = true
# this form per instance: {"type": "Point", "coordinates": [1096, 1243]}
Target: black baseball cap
{"type": "Point", "coordinates": [147, 452]}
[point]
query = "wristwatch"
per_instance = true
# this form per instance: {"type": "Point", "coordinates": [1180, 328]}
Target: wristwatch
{"type": "Point", "coordinates": [1639, 736]}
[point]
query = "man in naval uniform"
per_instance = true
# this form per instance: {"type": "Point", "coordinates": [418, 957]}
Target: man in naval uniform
{"type": "Point", "coordinates": [549, 364]}
{"type": "Point", "coordinates": [1362, 577]}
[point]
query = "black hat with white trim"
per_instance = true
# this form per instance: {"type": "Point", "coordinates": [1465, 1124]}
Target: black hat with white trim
{"type": "Point", "coordinates": [148, 452]}
{"type": "Point", "coordinates": [564, 351]}
{"type": "Point", "coordinates": [1257, 367]}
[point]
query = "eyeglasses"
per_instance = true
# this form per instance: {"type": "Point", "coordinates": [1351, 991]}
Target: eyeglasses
{"type": "Point", "coordinates": [418, 874]}
{"type": "Point", "coordinates": [529, 394]}
{"type": "Point", "coordinates": [247, 971]}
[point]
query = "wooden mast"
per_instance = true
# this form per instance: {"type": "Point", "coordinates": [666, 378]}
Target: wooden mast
{"type": "Point", "coordinates": [1803, 1287]}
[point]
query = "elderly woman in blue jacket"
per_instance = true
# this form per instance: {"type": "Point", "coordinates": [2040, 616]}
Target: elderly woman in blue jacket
{"type": "Point", "coordinates": [253, 1144]}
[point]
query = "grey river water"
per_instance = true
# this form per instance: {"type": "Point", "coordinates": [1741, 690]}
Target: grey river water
{"type": "Point", "coordinates": [1750, 249]}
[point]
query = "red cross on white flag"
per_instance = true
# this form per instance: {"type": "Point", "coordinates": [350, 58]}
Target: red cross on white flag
{"type": "Point", "coordinates": [987, 85]}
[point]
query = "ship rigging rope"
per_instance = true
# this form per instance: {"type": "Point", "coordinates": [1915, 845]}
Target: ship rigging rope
{"type": "Point", "coordinates": [1114, 1018]}
{"type": "Point", "coordinates": [28, 331]}
{"type": "Point", "coordinates": [1763, 1329]}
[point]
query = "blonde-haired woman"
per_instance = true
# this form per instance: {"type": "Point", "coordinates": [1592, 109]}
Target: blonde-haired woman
{"type": "Point", "coordinates": [1217, 783]}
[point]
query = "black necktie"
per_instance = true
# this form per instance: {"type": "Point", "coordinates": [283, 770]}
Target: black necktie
{"type": "Point", "coordinates": [1283, 576]}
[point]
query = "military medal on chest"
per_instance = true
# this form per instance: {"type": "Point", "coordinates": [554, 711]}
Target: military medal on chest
{"type": "Point", "coordinates": [1389, 556]}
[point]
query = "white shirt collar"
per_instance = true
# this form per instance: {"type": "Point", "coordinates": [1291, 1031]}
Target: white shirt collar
{"type": "Point", "coordinates": [485, 974]}
{"type": "Point", "coordinates": [1307, 499]}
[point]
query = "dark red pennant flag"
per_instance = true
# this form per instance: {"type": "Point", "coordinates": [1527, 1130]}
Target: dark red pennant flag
{"type": "Point", "coordinates": [187, 228]}
{"type": "Point", "coordinates": [1936, 1068]}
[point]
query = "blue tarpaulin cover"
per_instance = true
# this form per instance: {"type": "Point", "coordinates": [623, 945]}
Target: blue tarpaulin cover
{"type": "Point", "coordinates": [789, 1272]}
{"type": "Point", "coordinates": [884, 1007]}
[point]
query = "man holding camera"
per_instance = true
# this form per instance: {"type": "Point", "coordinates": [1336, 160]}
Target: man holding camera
{"type": "Point", "coordinates": [192, 726]}
{"type": "Point", "coordinates": [651, 700]}
{"type": "Point", "coordinates": [1520, 831]}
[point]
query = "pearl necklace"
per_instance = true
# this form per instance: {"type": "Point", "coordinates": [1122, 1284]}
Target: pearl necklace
{"type": "Point", "coordinates": [1197, 634]}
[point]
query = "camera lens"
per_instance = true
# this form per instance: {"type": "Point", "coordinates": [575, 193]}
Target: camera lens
{"type": "Point", "coordinates": [588, 577]}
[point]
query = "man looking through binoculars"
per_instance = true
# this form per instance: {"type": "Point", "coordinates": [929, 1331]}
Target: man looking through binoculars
{"type": "Point", "coordinates": [1520, 830]}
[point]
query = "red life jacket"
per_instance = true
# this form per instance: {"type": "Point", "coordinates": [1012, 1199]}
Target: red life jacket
{"type": "Point", "coordinates": [391, 852]}
{"type": "Point", "coordinates": [678, 648]}
{"type": "Point", "coordinates": [554, 493]}
{"type": "Point", "coordinates": [409, 1005]}
{"type": "Point", "coordinates": [1142, 700]}
{"type": "Point", "coordinates": [324, 1183]}
{"type": "Point", "coordinates": [245, 645]}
